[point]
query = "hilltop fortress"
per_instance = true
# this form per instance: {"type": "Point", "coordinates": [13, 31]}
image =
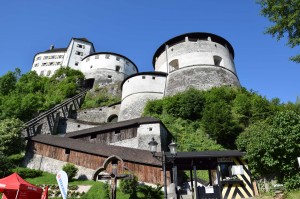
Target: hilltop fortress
{"type": "Point", "coordinates": [117, 133]}
{"type": "Point", "coordinates": [198, 60]}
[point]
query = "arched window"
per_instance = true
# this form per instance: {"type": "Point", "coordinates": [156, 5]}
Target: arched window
{"type": "Point", "coordinates": [218, 61]}
{"type": "Point", "coordinates": [112, 119]}
{"type": "Point", "coordinates": [118, 68]}
{"type": "Point", "coordinates": [174, 65]}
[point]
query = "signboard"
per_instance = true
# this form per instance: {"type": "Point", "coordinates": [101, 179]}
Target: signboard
{"type": "Point", "coordinates": [237, 170]}
{"type": "Point", "coordinates": [209, 189]}
{"type": "Point", "coordinates": [62, 180]}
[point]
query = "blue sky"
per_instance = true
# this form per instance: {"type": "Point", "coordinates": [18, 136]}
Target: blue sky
{"type": "Point", "coordinates": [136, 28]}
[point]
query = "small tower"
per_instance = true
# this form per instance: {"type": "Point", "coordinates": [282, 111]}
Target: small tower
{"type": "Point", "coordinates": [199, 60]}
{"type": "Point", "coordinates": [106, 68]}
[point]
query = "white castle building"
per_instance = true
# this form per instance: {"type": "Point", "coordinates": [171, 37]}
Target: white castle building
{"type": "Point", "coordinates": [199, 60]}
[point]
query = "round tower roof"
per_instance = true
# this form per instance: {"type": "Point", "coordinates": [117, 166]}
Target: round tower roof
{"type": "Point", "coordinates": [143, 73]}
{"type": "Point", "coordinates": [195, 35]}
{"type": "Point", "coordinates": [111, 53]}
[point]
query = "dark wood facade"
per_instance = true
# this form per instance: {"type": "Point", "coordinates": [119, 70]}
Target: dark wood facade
{"type": "Point", "coordinates": [107, 137]}
{"type": "Point", "coordinates": [143, 169]}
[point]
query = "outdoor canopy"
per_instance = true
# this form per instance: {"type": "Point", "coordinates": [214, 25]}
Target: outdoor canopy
{"type": "Point", "coordinates": [14, 187]}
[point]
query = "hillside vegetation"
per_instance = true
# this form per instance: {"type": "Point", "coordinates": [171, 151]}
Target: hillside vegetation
{"type": "Point", "coordinates": [24, 96]}
{"type": "Point", "coordinates": [234, 118]}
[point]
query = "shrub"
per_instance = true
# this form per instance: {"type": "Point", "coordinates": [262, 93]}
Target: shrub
{"type": "Point", "coordinates": [71, 170]}
{"type": "Point", "coordinates": [150, 192]}
{"type": "Point", "coordinates": [16, 159]}
{"type": "Point", "coordinates": [129, 186]}
{"type": "Point", "coordinates": [28, 173]}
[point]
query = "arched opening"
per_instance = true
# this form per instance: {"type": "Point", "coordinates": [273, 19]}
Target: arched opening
{"type": "Point", "coordinates": [89, 83]}
{"type": "Point", "coordinates": [218, 61]}
{"type": "Point", "coordinates": [118, 68]}
{"type": "Point", "coordinates": [112, 119]}
{"type": "Point", "coordinates": [174, 65]}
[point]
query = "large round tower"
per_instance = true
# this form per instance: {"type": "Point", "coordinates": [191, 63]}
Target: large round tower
{"type": "Point", "coordinates": [106, 68]}
{"type": "Point", "coordinates": [139, 88]}
{"type": "Point", "coordinates": [199, 60]}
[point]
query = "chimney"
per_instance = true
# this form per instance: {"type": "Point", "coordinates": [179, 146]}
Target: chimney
{"type": "Point", "coordinates": [51, 47]}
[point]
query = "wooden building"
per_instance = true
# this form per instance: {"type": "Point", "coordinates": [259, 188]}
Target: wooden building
{"type": "Point", "coordinates": [91, 156]}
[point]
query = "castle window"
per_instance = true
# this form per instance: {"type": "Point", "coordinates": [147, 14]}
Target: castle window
{"type": "Point", "coordinates": [38, 58]}
{"type": "Point", "coordinates": [91, 66]}
{"type": "Point", "coordinates": [150, 129]}
{"type": "Point", "coordinates": [106, 56]}
{"type": "Point", "coordinates": [118, 68]}
{"type": "Point", "coordinates": [113, 119]}
{"type": "Point", "coordinates": [96, 56]}
{"type": "Point", "coordinates": [42, 73]}
{"type": "Point", "coordinates": [174, 65]}
{"type": "Point", "coordinates": [46, 57]}
{"type": "Point", "coordinates": [218, 61]}
{"type": "Point", "coordinates": [117, 131]}
{"type": "Point", "coordinates": [153, 77]}
{"type": "Point", "coordinates": [109, 76]}
{"type": "Point", "coordinates": [93, 136]}
{"type": "Point", "coordinates": [78, 53]}
{"type": "Point", "coordinates": [67, 151]}
{"type": "Point", "coordinates": [143, 77]}
{"type": "Point", "coordinates": [58, 63]}
{"type": "Point", "coordinates": [76, 63]}
{"type": "Point", "coordinates": [80, 46]}
{"type": "Point", "coordinates": [87, 59]}
{"type": "Point", "coordinates": [49, 73]}
{"type": "Point", "coordinates": [118, 58]}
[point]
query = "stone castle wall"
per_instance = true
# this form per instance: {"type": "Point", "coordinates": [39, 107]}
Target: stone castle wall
{"type": "Point", "coordinates": [201, 77]}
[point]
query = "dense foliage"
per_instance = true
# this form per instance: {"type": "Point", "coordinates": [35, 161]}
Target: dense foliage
{"type": "Point", "coordinates": [71, 170]}
{"type": "Point", "coordinates": [222, 117]}
{"type": "Point", "coordinates": [24, 96]}
{"type": "Point", "coordinates": [284, 14]}
{"type": "Point", "coordinates": [220, 113]}
{"type": "Point", "coordinates": [11, 141]}
{"type": "Point", "coordinates": [99, 97]}
{"type": "Point", "coordinates": [273, 147]}
{"type": "Point", "coordinates": [28, 173]}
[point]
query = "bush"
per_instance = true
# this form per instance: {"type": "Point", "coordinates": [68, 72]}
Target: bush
{"type": "Point", "coordinates": [71, 170]}
{"type": "Point", "coordinates": [150, 192]}
{"type": "Point", "coordinates": [129, 186]}
{"type": "Point", "coordinates": [28, 173]}
{"type": "Point", "coordinates": [16, 159]}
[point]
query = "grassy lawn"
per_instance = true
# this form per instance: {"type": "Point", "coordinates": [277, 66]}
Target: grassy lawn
{"type": "Point", "coordinates": [95, 192]}
{"type": "Point", "coordinates": [290, 195]}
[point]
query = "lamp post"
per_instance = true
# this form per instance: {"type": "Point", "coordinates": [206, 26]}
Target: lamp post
{"type": "Point", "coordinates": [173, 150]}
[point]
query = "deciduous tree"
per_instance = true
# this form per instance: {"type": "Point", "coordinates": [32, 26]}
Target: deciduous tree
{"type": "Point", "coordinates": [285, 16]}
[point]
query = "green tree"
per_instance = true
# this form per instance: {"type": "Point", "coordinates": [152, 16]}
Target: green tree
{"type": "Point", "coordinates": [11, 141]}
{"type": "Point", "coordinates": [218, 123]}
{"type": "Point", "coordinates": [272, 147]}
{"type": "Point", "coordinates": [71, 170]}
{"type": "Point", "coordinates": [8, 82]}
{"type": "Point", "coordinates": [285, 16]}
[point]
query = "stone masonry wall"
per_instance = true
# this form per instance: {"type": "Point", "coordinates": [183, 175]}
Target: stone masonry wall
{"type": "Point", "coordinates": [199, 77]}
